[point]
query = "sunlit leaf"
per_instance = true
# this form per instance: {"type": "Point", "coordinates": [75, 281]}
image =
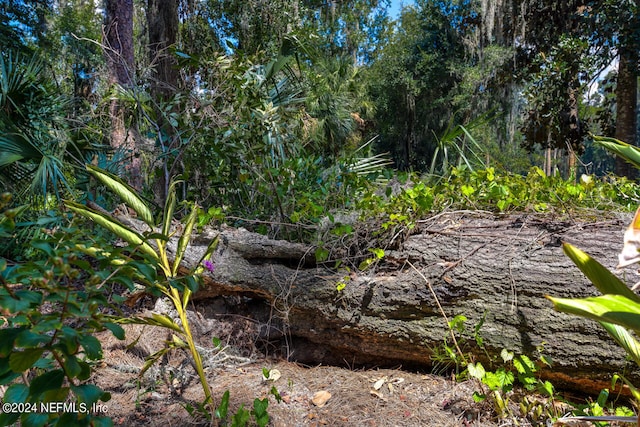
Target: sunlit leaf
{"type": "Point", "coordinates": [600, 276]}
{"type": "Point", "coordinates": [123, 190]}
{"type": "Point", "coordinates": [111, 224]}
{"type": "Point", "coordinates": [616, 309]}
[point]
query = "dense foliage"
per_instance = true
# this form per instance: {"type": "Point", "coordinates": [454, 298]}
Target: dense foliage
{"type": "Point", "coordinates": [280, 117]}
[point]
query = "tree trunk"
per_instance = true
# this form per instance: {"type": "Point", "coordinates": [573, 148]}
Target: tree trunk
{"type": "Point", "coordinates": [118, 50]}
{"type": "Point", "coordinates": [496, 269]}
{"type": "Point", "coordinates": [626, 103]}
{"type": "Point", "coordinates": [162, 22]}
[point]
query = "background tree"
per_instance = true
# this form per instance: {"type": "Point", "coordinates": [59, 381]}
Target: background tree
{"type": "Point", "coordinates": [119, 55]}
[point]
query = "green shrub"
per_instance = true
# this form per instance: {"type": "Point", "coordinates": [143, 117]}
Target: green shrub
{"type": "Point", "coordinates": [52, 306]}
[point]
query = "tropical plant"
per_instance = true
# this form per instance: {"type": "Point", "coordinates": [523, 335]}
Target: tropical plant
{"type": "Point", "coordinates": [174, 286]}
{"type": "Point", "coordinates": [618, 308]}
{"type": "Point", "coordinates": [37, 150]}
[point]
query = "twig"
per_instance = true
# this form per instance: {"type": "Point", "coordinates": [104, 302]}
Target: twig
{"type": "Point", "coordinates": [444, 315]}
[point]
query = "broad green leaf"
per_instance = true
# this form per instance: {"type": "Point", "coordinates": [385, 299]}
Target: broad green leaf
{"type": "Point", "coordinates": [16, 393]}
{"type": "Point", "coordinates": [115, 329]}
{"type": "Point", "coordinates": [20, 361]}
{"type": "Point", "coordinates": [184, 239]}
{"type": "Point", "coordinates": [87, 393]}
{"type": "Point", "coordinates": [476, 370]}
{"type": "Point", "coordinates": [72, 367]}
{"type": "Point", "coordinates": [616, 309]}
{"type": "Point", "coordinates": [624, 339]}
{"type": "Point", "coordinates": [169, 208]}
{"type": "Point", "coordinates": [27, 338]}
{"type": "Point", "coordinates": [622, 149]}
{"type": "Point", "coordinates": [91, 346]}
{"type": "Point", "coordinates": [600, 276]}
{"type": "Point", "coordinates": [48, 381]}
{"type": "Point", "coordinates": [114, 226]}
{"type": "Point", "coordinates": [223, 408]}
{"type": "Point", "coordinates": [125, 192]}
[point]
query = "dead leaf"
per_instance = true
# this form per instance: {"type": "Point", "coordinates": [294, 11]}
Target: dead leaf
{"type": "Point", "coordinates": [320, 398]}
{"type": "Point", "coordinates": [378, 394]}
{"type": "Point", "coordinates": [390, 388]}
{"type": "Point", "coordinates": [380, 383]}
{"type": "Point", "coordinates": [397, 381]}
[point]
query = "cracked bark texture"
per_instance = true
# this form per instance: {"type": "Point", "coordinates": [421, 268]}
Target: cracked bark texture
{"type": "Point", "coordinates": [478, 265]}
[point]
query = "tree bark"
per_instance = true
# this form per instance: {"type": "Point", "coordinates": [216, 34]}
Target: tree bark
{"type": "Point", "coordinates": [494, 268]}
{"type": "Point", "coordinates": [162, 21]}
{"type": "Point", "coordinates": [118, 51]}
{"type": "Point", "coordinates": [626, 104]}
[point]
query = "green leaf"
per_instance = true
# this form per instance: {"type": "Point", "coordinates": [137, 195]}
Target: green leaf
{"type": "Point", "coordinates": [379, 253]}
{"type": "Point", "coordinates": [48, 381]}
{"type": "Point", "coordinates": [467, 190]}
{"type": "Point", "coordinates": [476, 370]}
{"type": "Point", "coordinates": [600, 276]}
{"type": "Point", "coordinates": [260, 411]}
{"type": "Point", "coordinates": [499, 380]}
{"type": "Point", "coordinates": [16, 393]}
{"type": "Point", "coordinates": [223, 409]}
{"type": "Point", "coordinates": [622, 149]}
{"type": "Point", "coordinates": [114, 226]}
{"type": "Point", "coordinates": [322, 254]}
{"type": "Point", "coordinates": [88, 393]}
{"type": "Point", "coordinates": [7, 339]}
{"type": "Point", "coordinates": [116, 330]}
{"type": "Point", "coordinates": [20, 361]}
{"type": "Point", "coordinates": [91, 346]}
{"type": "Point", "coordinates": [547, 388]}
{"type": "Point", "coordinates": [241, 417]}
{"type": "Point", "coordinates": [28, 339]}
{"type": "Point", "coordinates": [169, 208]}
{"type": "Point", "coordinates": [155, 320]}
{"type": "Point", "coordinates": [184, 239]}
{"type": "Point", "coordinates": [72, 367]}
{"type": "Point", "coordinates": [616, 309]}
{"type": "Point", "coordinates": [506, 355]}
{"type": "Point", "coordinates": [478, 397]}
{"type": "Point", "coordinates": [624, 339]}
{"type": "Point", "coordinates": [123, 190]}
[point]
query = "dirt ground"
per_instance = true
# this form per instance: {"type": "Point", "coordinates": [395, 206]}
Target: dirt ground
{"type": "Point", "coordinates": [380, 397]}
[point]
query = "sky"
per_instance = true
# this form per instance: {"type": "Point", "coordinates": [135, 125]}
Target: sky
{"type": "Point", "coordinates": [396, 7]}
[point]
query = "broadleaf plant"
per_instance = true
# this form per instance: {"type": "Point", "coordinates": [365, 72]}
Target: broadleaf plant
{"type": "Point", "coordinates": [618, 309]}
{"type": "Point", "coordinates": [176, 288]}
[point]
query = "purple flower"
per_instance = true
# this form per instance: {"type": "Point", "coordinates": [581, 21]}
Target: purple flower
{"type": "Point", "coordinates": [208, 265]}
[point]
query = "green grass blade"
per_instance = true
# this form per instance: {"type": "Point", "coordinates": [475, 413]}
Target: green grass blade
{"type": "Point", "coordinates": [125, 192]}
{"type": "Point", "coordinates": [600, 276]}
{"type": "Point", "coordinates": [120, 230]}
{"type": "Point", "coordinates": [615, 309]}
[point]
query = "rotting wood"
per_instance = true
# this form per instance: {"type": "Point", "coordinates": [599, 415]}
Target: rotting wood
{"type": "Point", "coordinates": [480, 266]}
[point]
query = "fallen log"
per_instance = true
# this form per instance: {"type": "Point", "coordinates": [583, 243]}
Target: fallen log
{"type": "Point", "coordinates": [491, 269]}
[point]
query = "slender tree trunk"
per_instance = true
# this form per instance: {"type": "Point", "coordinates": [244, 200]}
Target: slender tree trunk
{"type": "Point", "coordinates": [162, 22]}
{"type": "Point", "coordinates": [118, 50]}
{"type": "Point", "coordinates": [626, 102]}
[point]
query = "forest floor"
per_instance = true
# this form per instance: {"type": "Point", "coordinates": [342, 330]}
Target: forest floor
{"type": "Point", "coordinates": [378, 397]}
